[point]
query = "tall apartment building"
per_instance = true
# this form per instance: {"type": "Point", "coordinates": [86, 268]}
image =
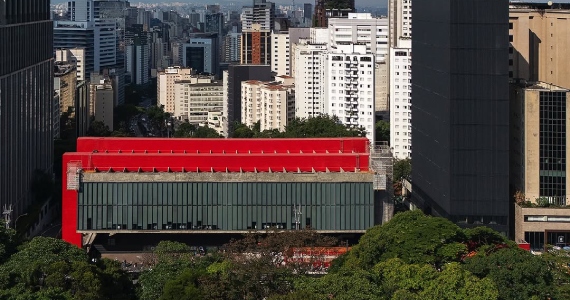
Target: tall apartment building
{"type": "Point", "coordinates": [103, 99]}
{"type": "Point", "coordinates": [26, 98]}
{"type": "Point", "coordinates": [255, 46]}
{"type": "Point", "coordinates": [232, 47]}
{"type": "Point", "coordinates": [137, 56]}
{"type": "Point", "coordinates": [460, 126]}
{"type": "Point", "coordinates": [361, 28]}
{"type": "Point", "coordinates": [165, 86]}
{"type": "Point", "coordinates": [539, 127]}
{"type": "Point", "coordinates": [401, 99]}
{"type": "Point", "coordinates": [400, 15]}
{"type": "Point", "coordinates": [269, 103]}
{"type": "Point", "coordinates": [350, 85]}
{"type": "Point", "coordinates": [539, 40]}
{"type": "Point", "coordinates": [196, 97]}
{"type": "Point", "coordinates": [309, 79]}
{"type": "Point", "coordinates": [280, 58]}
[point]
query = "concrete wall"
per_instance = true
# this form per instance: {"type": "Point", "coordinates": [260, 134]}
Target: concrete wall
{"type": "Point", "coordinates": [521, 226]}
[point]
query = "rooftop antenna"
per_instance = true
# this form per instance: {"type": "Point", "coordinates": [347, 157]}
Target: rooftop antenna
{"type": "Point", "coordinates": [7, 215]}
{"type": "Point", "coordinates": [297, 215]}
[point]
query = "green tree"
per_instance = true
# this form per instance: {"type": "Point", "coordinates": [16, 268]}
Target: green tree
{"type": "Point", "coordinates": [347, 284]}
{"type": "Point", "coordinates": [8, 243]}
{"type": "Point", "coordinates": [184, 287]}
{"type": "Point", "coordinates": [98, 128]}
{"type": "Point", "coordinates": [206, 132]}
{"type": "Point", "coordinates": [158, 117]}
{"type": "Point", "coordinates": [382, 131]}
{"type": "Point", "coordinates": [412, 237]}
{"type": "Point", "coordinates": [320, 126]}
{"type": "Point", "coordinates": [518, 273]}
{"type": "Point", "coordinates": [402, 169]}
{"type": "Point", "coordinates": [242, 131]}
{"type": "Point", "coordinates": [184, 130]}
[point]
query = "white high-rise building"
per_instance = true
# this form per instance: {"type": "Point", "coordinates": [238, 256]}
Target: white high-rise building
{"type": "Point", "coordinates": [280, 58]}
{"type": "Point", "coordinates": [400, 76]}
{"type": "Point", "coordinates": [361, 28]}
{"type": "Point", "coordinates": [165, 85]}
{"type": "Point", "coordinates": [401, 104]}
{"type": "Point", "coordinates": [309, 79]}
{"type": "Point", "coordinates": [137, 62]}
{"type": "Point", "coordinates": [350, 86]}
{"type": "Point", "coordinates": [262, 13]}
{"type": "Point", "coordinates": [269, 103]}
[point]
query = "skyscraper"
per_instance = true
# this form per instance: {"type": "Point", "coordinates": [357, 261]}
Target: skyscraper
{"type": "Point", "coordinates": [26, 98]}
{"type": "Point", "coordinates": [460, 124]}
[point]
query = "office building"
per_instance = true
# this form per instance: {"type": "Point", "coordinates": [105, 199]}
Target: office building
{"type": "Point", "coordinates": [460, 111]}
{"type": "Point", "coordinates": [401, 99]}
{"type": "Point", "coordinates": [539, 127]}
{"type": "Point", "coordinates": [165, 86]}
{"type": "Point", "coordinates": [272, 104]}
{"type": "Point", "coordinates": [350, 87]}
{"type": "Point", "coordinates": [196, 97]}
{"type": "Point", "coordinates": [201, 54]}
{"type": "Point", "coordinates": [255, 46]}
{"type": "Point", "coordinates": [26, 99]}
{"type": "Point", "coordinates": [98, 39]}
{"type": "Point", "coordinates": [232, 79]}
{"type": "Point", "coordinates": [307, 12]}
{"type": "Point", "coordinates": [538, 34]}
{"type": "Point", "coordinates": [309, 79]}
{"type": "Point", "coordinates": [137, 58]}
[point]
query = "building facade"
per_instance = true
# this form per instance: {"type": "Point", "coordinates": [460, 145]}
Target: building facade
{"type": "Point", "coordinates": [216, 186]}
{"type": "Point", "coordinates": [538, 38]}
{"type": "Point", "coordinates": [65, 84]}
{"type": "Point", "coordinates": [269, 103]}
{"type": "Point", "coordinates": [197, 97]}
{"type": "Point", "coordinates": [26, 99]}
{"type": "Point", "coordinates": [309, 79]}
{"type": "Point", "coordinates": [400, 15]}
{"type": "Point", "coordinates": [103, 99]}
{"type": "Point", "coordinates": [280, 58]}
{"type": "Point", "coordinates": [350, 87]}
{"type": "Point", "coordinates": [255, 46]}
{"type": "Point", "coordinates": [460, 126]}
{"type": "Point", "coordinates": [165, 85]}
{"type": "Point", "coordinates": [539, 127]}
{"type": "Point", "coordinates": [401, 96]}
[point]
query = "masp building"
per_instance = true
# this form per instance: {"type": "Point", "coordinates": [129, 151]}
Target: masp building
{"type": "Point", "coordinates": [208, 186]}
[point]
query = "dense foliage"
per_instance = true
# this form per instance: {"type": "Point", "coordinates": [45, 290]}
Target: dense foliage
{"type": "Point", "coordinates": [411, 257]}
{"type": "Point", "coordinates": [46, 268]}
{"type": "Point", "coordinates": [320, 126]}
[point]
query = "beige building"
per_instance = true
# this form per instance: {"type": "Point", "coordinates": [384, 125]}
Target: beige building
{"type": "Point", "coordinates": [270, 103]}
{"type": "Point", "coordinates": [75, 56]}
{"type": "Point", "coordinates": [103, 99]}
{"type": "Point", "coordinates": [196, 97]}
{"type": "Point", "coordinates": [539, 40]}
{"type": "Point", "coordinates": [65, 83]}
{"type": "Point", "coordinates": [538, 162]}
{"type": "Point", "coordinates": [165, 85]}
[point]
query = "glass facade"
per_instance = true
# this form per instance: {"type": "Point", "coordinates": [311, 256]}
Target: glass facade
{"type": "Point", "coordinates": [224, 206]}
{"type": "Point", "coordinates": [26, 98]}
{"type": "Point", "coordinates": [553, 147]}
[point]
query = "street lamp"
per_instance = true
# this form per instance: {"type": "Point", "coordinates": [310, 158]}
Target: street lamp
{"type": "Point", "coordinates": [16, 222]}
